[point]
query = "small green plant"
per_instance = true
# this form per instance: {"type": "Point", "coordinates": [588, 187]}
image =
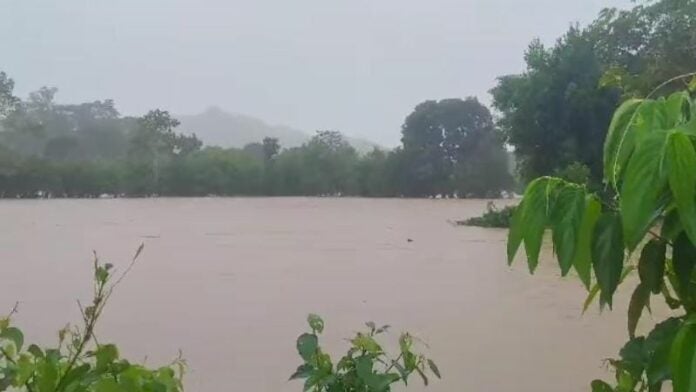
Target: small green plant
{"type": "Point", "coordinates": [493, 217]}
{"type": "Point", "coordinates": [79, 362]}
{"type": "Point", "coordinates": [366, 367]}
{"type": "Point", "coordinates": [650, 166]}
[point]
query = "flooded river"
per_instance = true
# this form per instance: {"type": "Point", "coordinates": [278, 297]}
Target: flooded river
{"type": "Point", "coordinates": [230, 281]}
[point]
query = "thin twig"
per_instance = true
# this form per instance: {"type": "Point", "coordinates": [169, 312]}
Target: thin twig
{"type": "Point", "coordinates": [7, 356]}
{"type": "Point", "coordinates": [14, 310]}
{"type": "Point", "coordinates": [659, 237]}
{"type": "Point", "coordinates": [88, 333]}
{"type": "Point", "coordinates": [101, 296]}
{"type": "Point", "coordinates": [130, 266]}
{"type": "Point", "coordinates": [394, 362]}
{"type": "Point", "coordinates": [82, 311]}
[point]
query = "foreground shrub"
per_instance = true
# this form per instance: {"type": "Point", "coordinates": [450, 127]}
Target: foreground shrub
{"type": "Point", "coordinates": [366, 367]}
{"type": "Point", "coordinates": [79, 362]}
{"type": "Point", "coordinates": [650, 164]}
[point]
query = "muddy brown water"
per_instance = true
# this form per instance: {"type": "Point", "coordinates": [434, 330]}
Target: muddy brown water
{"type": "Point", "coordinates": [230, 281]}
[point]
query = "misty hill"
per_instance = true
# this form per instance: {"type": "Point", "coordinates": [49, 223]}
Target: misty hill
{"type": "Point", "coordinates": [219, 128]}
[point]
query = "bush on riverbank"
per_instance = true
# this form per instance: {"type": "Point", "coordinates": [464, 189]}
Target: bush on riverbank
{"type": "Point", "coordinates": [492, 218]}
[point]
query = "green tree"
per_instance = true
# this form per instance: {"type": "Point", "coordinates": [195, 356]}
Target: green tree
{"type": "Point", "coordinates": [153, 145]}
{"type": "Point", "coordinates": [553, 114]}
{"type": "Point", "coordinates": [485, 170]}
{"type": "Point", "coordinates": [101, 132]}
{"type": "Point", "coordinates": [10, 164]}
{"type": "Point", "coordinates": [31, 124]}
{"type": "Point", "coordinates": [287, 176]}
{"type": "Point", "coordinates": [8, 101]}
{"type": "Point", "coordinates": [328, 164]}
{"type": "Point", "coordinates": [62, 148]}
{"type": "Point", "coordinates": [556, 113]}
{"type": "Point", "coordinates": [446, 142]}
{"type": "Point", "coordinates": [271, 148]}
{"type": "Point", "coordinates": [647, 44]}
{"type": "Point", "coordinates": [214, 171]}
{"type": "Point", "coordinates": [255, 150]}
{"type": "Point", "coordinates": [88, 131]}
{"type": "Point", "coordinates": [373, 175]}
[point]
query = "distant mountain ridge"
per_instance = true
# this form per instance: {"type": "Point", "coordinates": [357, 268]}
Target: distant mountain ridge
{"type": "Point", "coordinates": [216, 127]}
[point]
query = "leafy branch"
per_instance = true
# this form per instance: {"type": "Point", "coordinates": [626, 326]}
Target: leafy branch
{"type": "Point", "coordinates": [650, 161]}
{"type": "Point", "coordinates": [358, 370]}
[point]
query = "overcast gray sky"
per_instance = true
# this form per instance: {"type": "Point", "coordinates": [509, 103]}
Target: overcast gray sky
{"type": "Point", "coordinates": [358, 66]}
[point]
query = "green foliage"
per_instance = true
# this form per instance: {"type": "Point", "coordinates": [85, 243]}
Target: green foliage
{"type": "Point", "coordinates": [683, 357]}
{"type": "Point", "coordinates": [270, 147]}
{"type": "Point", "coordinates": [619, 141]}
{"type": "Point", "coordinates": [640, 299]}
{"type": "Point", "coordinates": [681, 162]}
{"type": "Point", "coordinates": [365, 367]}
{"type": "Point", "coordinates": [78, 362]}
{"type": "Point", "coordinates": [607, 254]}
{"type": "Point", "coordinates": [643, 362]}
{"type": "Point", "coordinates": [493, 217]}
{"type": "Point", "coordinates": [647, 44]}
{"type": "Point", "coordinates": [651, 162]}
{"type": "Point", "coordinates": [534, 215]}
{"type": "Point", "coordinates": [566, 217]}
{"type": "Point", "coordinates": [651, 266]}
{"type": "Point", "coordinates": [645, 176]}
{"type": "Point", "coordinates": [554, 114]}
{"type": "Point", "coordinates": [452, 148]}
{"type": "Point", "coordinates": [7, 99]}
{"type": "Point", "coordinates": [582, 260]}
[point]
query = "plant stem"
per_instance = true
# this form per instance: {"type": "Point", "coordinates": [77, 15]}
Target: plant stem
{"type": "Point", "coordinates": [394, 362]}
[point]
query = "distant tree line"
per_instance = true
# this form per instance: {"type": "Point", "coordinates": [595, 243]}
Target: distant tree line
{"type": "Point", "coordinates": [450, 148]}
